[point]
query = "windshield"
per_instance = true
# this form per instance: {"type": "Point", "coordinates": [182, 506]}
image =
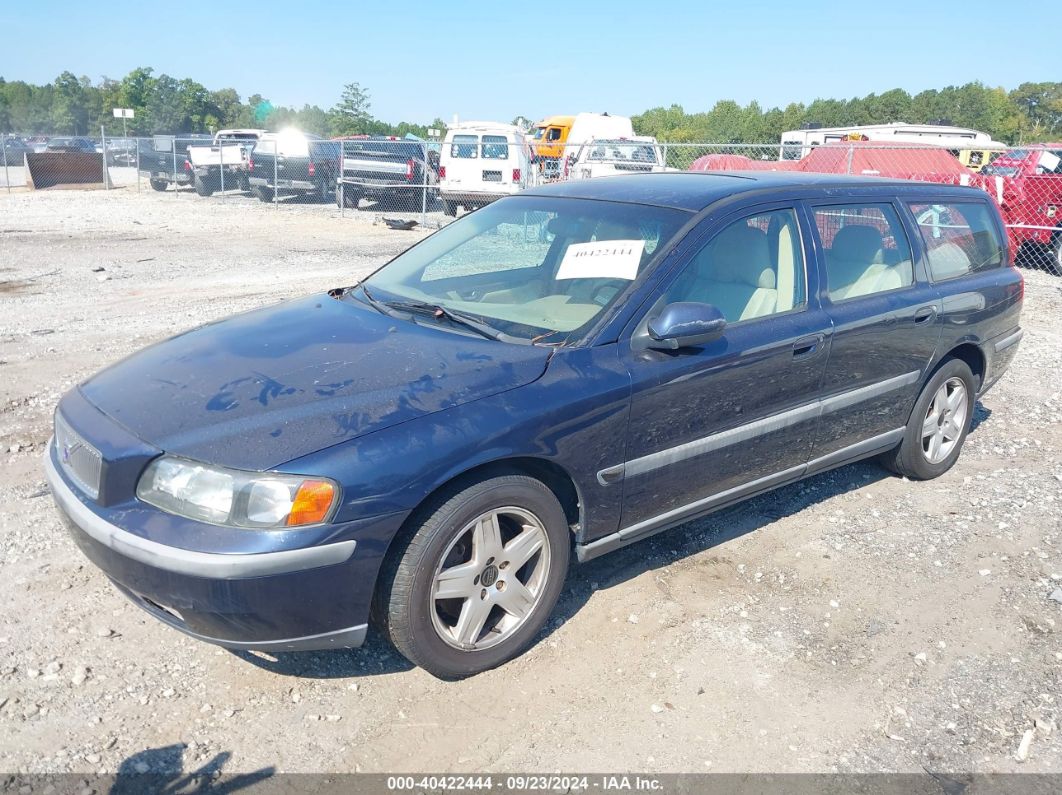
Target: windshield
{"type": "Point", "coordinates": [530, 265]}
{"type": "Point", "coordinates": [624, 151]}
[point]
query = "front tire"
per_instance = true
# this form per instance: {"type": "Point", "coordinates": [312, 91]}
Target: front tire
{"type": "Point", "coordinates": [938, 426]}
{"type": "Point", "coordinates": [478, 578]}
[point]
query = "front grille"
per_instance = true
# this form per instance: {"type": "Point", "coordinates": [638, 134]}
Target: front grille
{"type": "Point", "coordinates": [81, 461]}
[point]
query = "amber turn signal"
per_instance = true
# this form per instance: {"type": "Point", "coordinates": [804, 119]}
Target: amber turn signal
{"type": "Point", "coordinates": [312, 502]}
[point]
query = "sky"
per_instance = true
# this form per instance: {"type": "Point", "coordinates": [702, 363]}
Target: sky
{"type": "Point", "coordinates": [496, 60]}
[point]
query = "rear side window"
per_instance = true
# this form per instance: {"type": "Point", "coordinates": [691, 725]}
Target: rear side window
{"type": "Point", "coordinates": [464, 146]}
{"type": "Point", "coordinates": [867, 251]}
{"type": "Point", "coordinates": [495, 147]}
{"type": "Point", "coordinates": [960, 238]}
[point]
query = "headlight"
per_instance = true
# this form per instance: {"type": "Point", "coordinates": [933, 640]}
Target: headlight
{"type": "Point", "coordinates": [235, 498]}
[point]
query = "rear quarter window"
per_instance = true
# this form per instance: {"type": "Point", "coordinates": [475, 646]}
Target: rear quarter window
{"type": "Point", "coordinates": [464, 147]}
{"type": "Point", "coordinates": [959, 237]}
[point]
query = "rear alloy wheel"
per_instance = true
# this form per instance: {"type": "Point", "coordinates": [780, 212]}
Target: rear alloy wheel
{"type": "Point", "coordinates": [938, 426]}
{"type": "Point", "coordinates": [478, 579]}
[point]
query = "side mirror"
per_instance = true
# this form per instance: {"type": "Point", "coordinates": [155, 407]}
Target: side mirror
{"type": "Point", "coordinates": [685, 324]}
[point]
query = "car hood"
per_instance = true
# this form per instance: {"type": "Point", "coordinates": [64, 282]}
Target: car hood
{"type": "Point", "coordinates": [272, 385]}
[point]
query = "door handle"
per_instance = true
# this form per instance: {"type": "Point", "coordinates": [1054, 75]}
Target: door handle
{"type": "Point", "coordinates": [925, 314]}
{"type": "Point", "coordinates": [808, 346]}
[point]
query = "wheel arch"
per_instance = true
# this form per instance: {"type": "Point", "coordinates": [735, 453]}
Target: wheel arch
{"type": "Point", "coordinates": [553, 476]}
{"type": "Point", "coordinates": [970, 353]}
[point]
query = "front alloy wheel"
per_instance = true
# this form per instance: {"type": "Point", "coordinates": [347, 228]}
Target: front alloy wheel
{"type": "Point", "coordinates": [490, 579]}
{"type": "Point", "coordinates": [473, 578]}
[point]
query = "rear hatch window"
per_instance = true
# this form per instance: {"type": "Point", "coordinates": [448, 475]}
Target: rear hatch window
{"type": "Point", "coordinates": [464, 146]}
{"type": "Point", "coordinates": [495, 147]}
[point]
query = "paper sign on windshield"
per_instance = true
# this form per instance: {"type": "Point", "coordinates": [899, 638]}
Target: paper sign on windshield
{"type": "Point", "coordinates": [604, 259]}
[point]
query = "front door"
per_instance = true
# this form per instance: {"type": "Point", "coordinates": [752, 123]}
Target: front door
{"type": "Point", "coordinates": [711, 423]}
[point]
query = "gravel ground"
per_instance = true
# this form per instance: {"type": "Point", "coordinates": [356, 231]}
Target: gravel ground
{"type": "Point", "coordinates": [868, 624]}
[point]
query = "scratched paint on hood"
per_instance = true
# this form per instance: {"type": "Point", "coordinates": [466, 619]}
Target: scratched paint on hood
{"type": "Point", "coordinates": [278, 383]}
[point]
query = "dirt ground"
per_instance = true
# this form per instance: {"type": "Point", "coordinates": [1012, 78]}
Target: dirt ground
{"type": "Point", "coordinates": [854, 622]}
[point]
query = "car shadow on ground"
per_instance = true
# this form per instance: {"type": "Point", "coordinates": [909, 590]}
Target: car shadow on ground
{"type": "Point", "coordinates": [378, 657]}
{"type": "Point", "coordinates": [161, 770]}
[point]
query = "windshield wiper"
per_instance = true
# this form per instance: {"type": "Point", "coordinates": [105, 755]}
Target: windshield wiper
{"type": "Point", "coordinates": [455, 317]}
{"type": "Point", "coordinates": [379, 306]}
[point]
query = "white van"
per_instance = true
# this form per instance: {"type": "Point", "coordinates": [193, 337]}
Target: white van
{"type": "Point", "coordinates": [601, 157]}
{"type": "Point", "coordinates": [481, 162]}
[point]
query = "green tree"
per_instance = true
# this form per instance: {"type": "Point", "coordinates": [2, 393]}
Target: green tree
{"type": "Point", "coordinates": [351, 116]}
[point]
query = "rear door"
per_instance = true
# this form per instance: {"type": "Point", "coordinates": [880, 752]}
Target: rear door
{"type": "Point", "coordinates": [886, 326]}
{"type": "Point", "coordinates": [463, 165]}
{"type": "Point", "coordinates": [711, 423]}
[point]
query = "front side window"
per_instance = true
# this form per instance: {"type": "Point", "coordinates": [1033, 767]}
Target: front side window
{"type": "Point", "coordinates": [866, 250]}
{"type": "Point", "coordinates": [495, 147]}
{"type": "Point", "coordinates": [753, 268]}
{"type": "Point", "coordinates": [464, 146]}
{"type": "Point", "coordinates": [553, 134]}
{"type": "Point", "coordinates": [960, 237]}
{"type": "Point", "coordinates": [531, 265]}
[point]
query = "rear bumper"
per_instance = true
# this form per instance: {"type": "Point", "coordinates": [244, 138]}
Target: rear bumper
{"type": "Point", "coordinates": [381, 187]}
{"type": "Point", "coordinates": [283, 184]}
{"type": "Point", "coordinates": [317, 597]}
{"type": "Point", "coordinates": [1001, 352]}
{"type": "Point", "coordinates": [477, 198]}
{"type": "Point", "coordinates": [183, 177]}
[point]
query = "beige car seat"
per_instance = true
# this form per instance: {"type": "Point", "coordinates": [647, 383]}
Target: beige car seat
{"type": "Point", "coordinates": [734, 273]}
{"type": "Point", "coordinates": [857, 266]}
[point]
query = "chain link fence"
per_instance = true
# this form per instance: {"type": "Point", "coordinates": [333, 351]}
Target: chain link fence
{"type": "Point", "coordinates": [402, 181]}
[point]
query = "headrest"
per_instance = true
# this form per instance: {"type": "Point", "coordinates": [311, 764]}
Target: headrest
{"type": "Point", "coordinates": [859, 243]}
{"type": "Point", "coordinates": [740, 254]}
{"type": "Point", "coordinates": [609, 230]}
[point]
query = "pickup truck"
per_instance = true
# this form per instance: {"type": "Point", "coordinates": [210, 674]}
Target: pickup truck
{"type": "Point", "coordinates": [394, 172]}
{"type": "Point", "coordinates": [222, 164]}
{"type": "Point", "coordinates": [293, 164]}
{"type": "Point", "coordinates": [164, 160]}
{"type": "Point", "coordinates": [1027, 183]}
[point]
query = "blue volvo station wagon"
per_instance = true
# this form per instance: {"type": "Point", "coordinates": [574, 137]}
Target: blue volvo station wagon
{"type": "Point", "coordinates": [565, 371]}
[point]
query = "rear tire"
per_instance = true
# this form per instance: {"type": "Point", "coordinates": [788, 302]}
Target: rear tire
{"type": "Point", "coordinates": [159, 184]}
{"type": "Point", "coordinates": [202, 187]}
{"type": "Point", "coordinates": [1054, 262]}
{"type": "Point", "coordinates": [501, 546]}
{"type": "Point", "coordinates": [449, 208]}
{"type": "Point", "coordinates": [263, 194]}
{"type": "Point", "coordinates": [938, 426]}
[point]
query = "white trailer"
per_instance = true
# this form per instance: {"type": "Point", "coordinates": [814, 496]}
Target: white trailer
{"type": "Point", "coordinates": [964, 142]}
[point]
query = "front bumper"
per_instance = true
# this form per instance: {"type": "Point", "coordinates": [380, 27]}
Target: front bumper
{"type": "Point", "coordinates": [316, 597]}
